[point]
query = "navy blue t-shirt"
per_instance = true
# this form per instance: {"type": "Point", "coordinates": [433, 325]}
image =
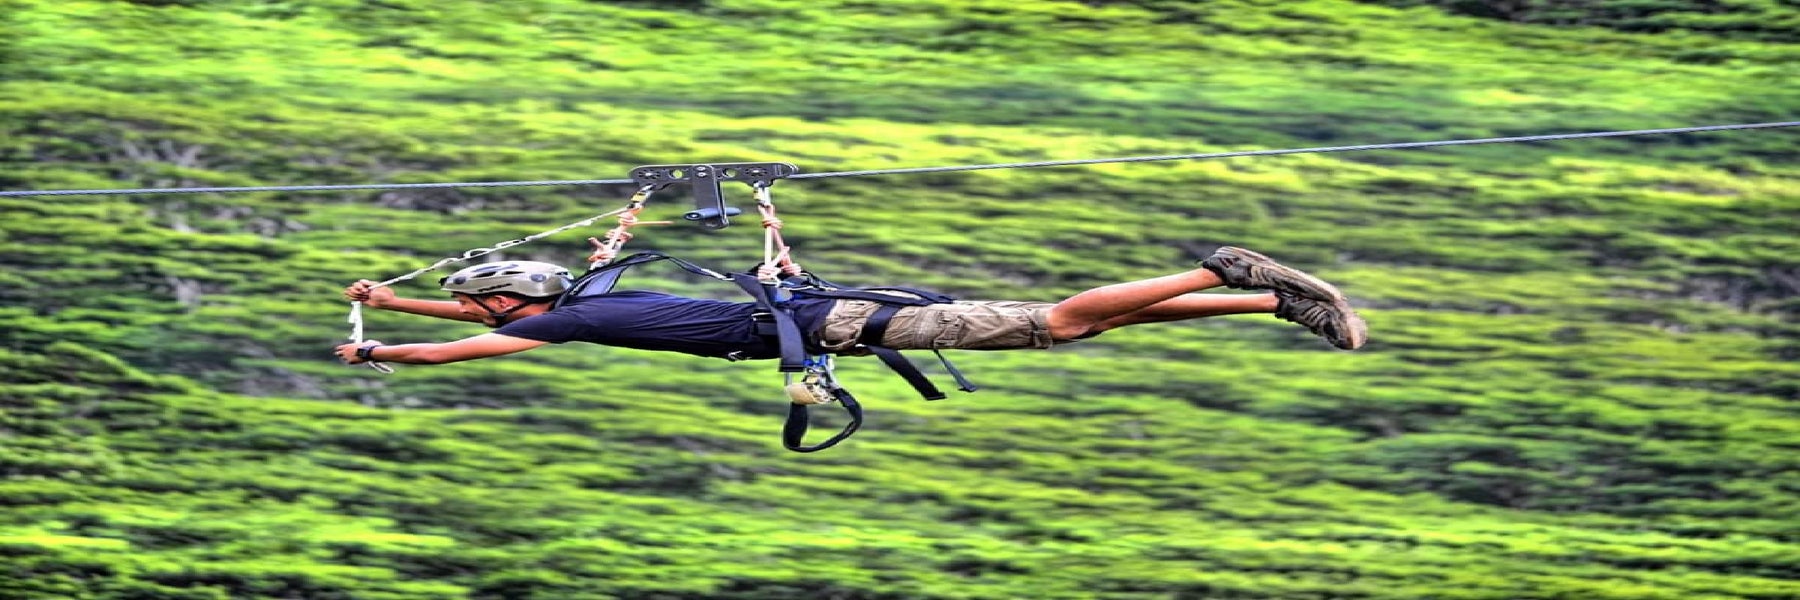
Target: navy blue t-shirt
{"type": "Point", "coordinates": [656, 321]}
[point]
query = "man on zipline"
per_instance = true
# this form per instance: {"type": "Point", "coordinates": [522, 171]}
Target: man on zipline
{"type": "Point", "coordinates": [516, 299]}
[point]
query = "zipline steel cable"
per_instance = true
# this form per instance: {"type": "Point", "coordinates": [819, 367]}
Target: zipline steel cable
{"type": "Point", "coordinates": [917, 170]}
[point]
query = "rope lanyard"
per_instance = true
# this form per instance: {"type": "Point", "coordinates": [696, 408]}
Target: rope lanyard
{"type": "Point", "coordinates": [777, 256]}
{"type": "Point", "coordinates": [605, 250]}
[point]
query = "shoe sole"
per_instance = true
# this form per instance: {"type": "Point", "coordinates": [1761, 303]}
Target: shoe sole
{"type": "Point", "coordinates": [1345, 330]}
{"type": "Point", "coordinates": [1301, 283]}
{"type": "Point", "coordinates": [1357, 333]}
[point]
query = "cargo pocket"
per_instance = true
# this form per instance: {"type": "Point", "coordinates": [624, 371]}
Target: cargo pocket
{"type": "Point", "coordinates": [1005, 326]}
{"type": "Point", "coordinates": [949, 330]}
{"type": "Point", "coordinates": [844, 323]}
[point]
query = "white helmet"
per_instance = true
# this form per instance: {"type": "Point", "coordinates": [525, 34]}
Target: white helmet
{"type": "Point", "coordinates": [523, 277]}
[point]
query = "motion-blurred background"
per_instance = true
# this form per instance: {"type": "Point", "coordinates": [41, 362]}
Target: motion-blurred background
{"type": "Point", "coordinates": [1581, 381]}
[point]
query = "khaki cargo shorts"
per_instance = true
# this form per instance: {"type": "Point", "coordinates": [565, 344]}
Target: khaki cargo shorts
{"type": "Point", "coordinates": [960, 325]}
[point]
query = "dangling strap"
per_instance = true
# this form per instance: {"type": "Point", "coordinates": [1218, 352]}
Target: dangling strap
{"type": "Point", "coordinates": [795, 430]}
{"type": "Point", "coordinates": [818, 386]}
{"type": "Point", "coordinates": [871, 335]}
{"type": "Point", "coordinates": [962, 381]}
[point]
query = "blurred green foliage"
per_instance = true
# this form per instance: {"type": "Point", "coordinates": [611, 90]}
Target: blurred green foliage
{"type": "Point", "coordinates": [1772, 20]}
{"type": "Point", "coordinates": [1580, 384]}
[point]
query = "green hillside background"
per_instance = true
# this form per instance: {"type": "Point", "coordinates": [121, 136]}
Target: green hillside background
{"type": "Point", "coordinates": [1581, 383]}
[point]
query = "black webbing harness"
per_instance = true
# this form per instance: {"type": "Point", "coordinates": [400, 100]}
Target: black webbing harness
{"type": "Point", "coordinates": [798, 354]}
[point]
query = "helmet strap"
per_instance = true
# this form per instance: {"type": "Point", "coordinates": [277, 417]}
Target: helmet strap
{"type": "Point", "coordinates": [498, 316]}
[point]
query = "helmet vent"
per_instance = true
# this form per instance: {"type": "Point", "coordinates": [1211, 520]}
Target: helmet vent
{"type": "Point", "coordinates": [526, 278]}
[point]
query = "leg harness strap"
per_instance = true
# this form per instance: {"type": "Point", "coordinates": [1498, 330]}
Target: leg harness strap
{"type": "Point", "coordinates": [870, 338]}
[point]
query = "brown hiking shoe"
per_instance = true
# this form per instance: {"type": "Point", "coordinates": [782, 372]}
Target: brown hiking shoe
{"type": "Point", "coordinates": [1244, 269]}
{"type": "Point", "coordinates": [1335, 321]}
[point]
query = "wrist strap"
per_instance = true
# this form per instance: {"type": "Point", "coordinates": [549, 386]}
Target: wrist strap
{"type": "Point", "coordinates": [362, 352]}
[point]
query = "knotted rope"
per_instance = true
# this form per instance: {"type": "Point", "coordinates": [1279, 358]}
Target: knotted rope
{"type": "Point", "coordinates": [605, 250]}
{"type": "Point", "coordinates": [777, 256]}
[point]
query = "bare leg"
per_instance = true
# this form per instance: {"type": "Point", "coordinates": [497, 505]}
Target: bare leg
{"type": "Point", "coordinates": [1082, 313]}
{"type": "Point", "coordinates": [1191, 306]}
{"type": "Point", "coordinates": [1297, 297]}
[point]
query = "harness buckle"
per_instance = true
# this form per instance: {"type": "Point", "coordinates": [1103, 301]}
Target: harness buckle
{"type": "Point", "coordinates": [815, 386]}
{"type": "Point", "coordinates": [763, 323]}
{"type": "Point", "coordinates": [809, 392]}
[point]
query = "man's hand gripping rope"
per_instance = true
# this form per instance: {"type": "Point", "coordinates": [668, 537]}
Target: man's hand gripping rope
{"type": "Point", "coordinates": [362, 292]}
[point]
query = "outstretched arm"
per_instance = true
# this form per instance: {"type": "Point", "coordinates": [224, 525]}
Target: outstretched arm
{"type": "Point", "coordinates": [481, 346]}
{"type": "Point", "coordinates": [364, 291]}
